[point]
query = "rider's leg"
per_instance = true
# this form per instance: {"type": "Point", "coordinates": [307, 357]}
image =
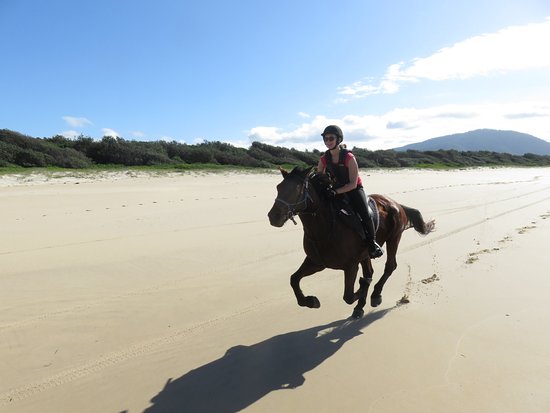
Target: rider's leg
{"type": "Point", "coordinates": [358, 200]}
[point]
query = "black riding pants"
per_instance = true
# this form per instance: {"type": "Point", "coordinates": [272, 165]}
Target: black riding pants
{"type": "Point", "coordinates": [358, 201]}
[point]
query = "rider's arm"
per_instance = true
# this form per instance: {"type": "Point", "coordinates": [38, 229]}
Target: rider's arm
{"type": "Point", "coordinates": [320, 166]}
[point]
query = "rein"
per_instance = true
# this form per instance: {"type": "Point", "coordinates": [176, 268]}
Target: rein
{"type": "Point", "coordinates": [293, 207]}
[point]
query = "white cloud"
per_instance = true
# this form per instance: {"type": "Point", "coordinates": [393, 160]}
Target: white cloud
{"type": "Point", "coordinates": [266, 134]}
{"type": "Point", "coordinates": [137, 134]}
{"type": "Point", "coordinates": [110, 132]}
{"type": "Point", "coordinates": [401, 126]}
{"type": "Point", "coordinates": [511, 49]}
{"type": "Point", "coordinates": [297, 137]}
{"type": "Point", "coordinates": [70, 134]}
{"type": "Point", "coordinates": [75, 122]}
{"type": "Point", "coordinates": [304, 115]}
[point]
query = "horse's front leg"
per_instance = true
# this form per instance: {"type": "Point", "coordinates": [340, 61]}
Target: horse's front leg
{"type": "Point", "coordinates": [308, 267]}
{"type": "Point", "coordinates": [364, 283]}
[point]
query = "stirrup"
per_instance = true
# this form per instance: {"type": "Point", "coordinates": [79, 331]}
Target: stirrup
{"type": "Point", "coordinates": [375, 251]}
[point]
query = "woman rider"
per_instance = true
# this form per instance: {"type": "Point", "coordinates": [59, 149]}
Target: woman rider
{"type": "Point", "coordinates": [342, 164]}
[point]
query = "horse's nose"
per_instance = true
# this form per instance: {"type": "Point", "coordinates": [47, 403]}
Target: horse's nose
{"type": "Point", "coordinates": [274, 218]}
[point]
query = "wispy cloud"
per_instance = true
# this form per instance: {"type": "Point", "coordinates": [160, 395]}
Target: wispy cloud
{"type": "Point", "coordinates": [75, 122]}
{"type": "Point", "coordinates": [388, 84]}
{"type": "Point", "coordinates": [304, 115]}
{"type": "Point", "coordinates": [110, 132]}
{"type": "Point", "coordinates": [511, 49]}
{"type": "Point", "coordinates": [534, 114]}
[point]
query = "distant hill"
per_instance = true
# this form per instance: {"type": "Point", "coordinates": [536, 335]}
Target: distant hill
{"type": "Point", "coordinates": [492, 140]}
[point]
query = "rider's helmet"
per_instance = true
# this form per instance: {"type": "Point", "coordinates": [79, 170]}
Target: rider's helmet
{"type": "Point", "coordinates": [334, 130]}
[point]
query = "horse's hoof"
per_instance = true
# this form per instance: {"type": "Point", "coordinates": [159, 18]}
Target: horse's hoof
{"type": "Point", "coordinates": [312, 302]}
{"type": "Point", "coordinates": [375, 300]}
{"type": "Point", "coordinates": [357, 314]}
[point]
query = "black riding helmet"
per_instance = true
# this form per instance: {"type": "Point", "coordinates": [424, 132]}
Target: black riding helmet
{"type": "Point", "coordinates": [334, 130]}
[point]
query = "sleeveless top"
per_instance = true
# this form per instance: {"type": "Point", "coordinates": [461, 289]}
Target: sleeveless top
{"type": "Point", "coordinates": [339, 170]}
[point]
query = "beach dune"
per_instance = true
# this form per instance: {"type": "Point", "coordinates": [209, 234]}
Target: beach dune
{"type": "Point", "coordinates": [170, 293]}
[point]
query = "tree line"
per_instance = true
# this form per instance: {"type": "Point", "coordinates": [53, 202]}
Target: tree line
{"type": "Point", "coordinates": [84, 152]}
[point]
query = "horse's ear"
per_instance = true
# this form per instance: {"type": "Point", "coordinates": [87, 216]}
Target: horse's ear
{"type": "Point", "coordinates": [284, 172]}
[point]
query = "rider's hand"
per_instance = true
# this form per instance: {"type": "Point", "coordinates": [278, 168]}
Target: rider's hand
{"type": "Point", "coordinates": [331, 193]}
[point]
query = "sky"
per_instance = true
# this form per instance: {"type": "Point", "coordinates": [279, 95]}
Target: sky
{"type": "Point", "coordinates": [389, 73]}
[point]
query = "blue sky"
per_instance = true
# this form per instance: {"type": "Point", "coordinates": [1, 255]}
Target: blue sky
{"type": "Point", "coordinates": [389, 73]}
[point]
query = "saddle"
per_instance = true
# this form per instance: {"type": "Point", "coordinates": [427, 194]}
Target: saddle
{"type": "Point", "coordinates": [344, 212]}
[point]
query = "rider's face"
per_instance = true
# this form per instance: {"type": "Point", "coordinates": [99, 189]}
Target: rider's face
{"type": "Point", "coordinates": [329, 140]}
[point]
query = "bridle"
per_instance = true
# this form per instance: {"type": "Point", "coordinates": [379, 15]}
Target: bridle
{"type": "Point", "coordinates": [293, 207]}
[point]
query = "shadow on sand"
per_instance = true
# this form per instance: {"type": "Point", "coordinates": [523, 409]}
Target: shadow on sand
{"type": "Point", "coordinates": [245, 374]}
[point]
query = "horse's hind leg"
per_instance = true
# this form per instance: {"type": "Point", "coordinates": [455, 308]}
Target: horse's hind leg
{"type": "Point", "coordinates": [350, 275]}
{"type": "Point", "coordinates": [364, 283]}
{"type": "Point", "coordinates": [308, 267]}
{"type": "Point", "coordinates": [389, 268]}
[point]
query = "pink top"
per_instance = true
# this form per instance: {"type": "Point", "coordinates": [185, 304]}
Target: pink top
{"type": "Point", "coordinates": [347, 159]}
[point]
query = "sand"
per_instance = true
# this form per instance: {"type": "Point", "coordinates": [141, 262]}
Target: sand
{"type": "Point", "coordinates": [170, 293]}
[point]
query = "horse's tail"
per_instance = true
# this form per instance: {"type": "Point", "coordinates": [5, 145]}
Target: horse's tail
{"type": "Point", "coordinates": [417, 222]}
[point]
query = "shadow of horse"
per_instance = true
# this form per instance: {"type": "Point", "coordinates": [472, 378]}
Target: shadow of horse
{"type": "Point", "coordinates": [245, 374]}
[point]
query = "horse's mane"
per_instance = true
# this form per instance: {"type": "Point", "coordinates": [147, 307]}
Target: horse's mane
{"type": "Point", "coordinates": [320, 181]}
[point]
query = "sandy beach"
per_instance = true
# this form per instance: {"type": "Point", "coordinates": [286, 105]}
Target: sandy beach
{"type": "Point", "coordinates": [132, 292]}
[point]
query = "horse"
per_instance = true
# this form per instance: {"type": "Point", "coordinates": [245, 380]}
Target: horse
{"type": "Point", "coordinates": [331, 242]}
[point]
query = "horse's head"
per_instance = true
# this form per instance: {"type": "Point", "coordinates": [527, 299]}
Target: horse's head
{"type": "Point", "coordinates": [292, 196]}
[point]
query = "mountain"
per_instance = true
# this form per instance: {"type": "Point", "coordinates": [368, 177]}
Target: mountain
{"type": "Point", "coordinates": [492, 140]}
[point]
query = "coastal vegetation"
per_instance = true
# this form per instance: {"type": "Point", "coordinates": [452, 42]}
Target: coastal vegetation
{"type": "Point", "coordinates": [21, 151]}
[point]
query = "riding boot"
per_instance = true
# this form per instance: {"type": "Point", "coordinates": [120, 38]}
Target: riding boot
{"type": "Point", "coordinates": [374, 249]}
{"type": "Point", "coordinates": [359, 203]}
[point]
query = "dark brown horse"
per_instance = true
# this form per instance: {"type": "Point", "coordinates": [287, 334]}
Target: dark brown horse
{"type": "Point", "coordinates": [329, 242]}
